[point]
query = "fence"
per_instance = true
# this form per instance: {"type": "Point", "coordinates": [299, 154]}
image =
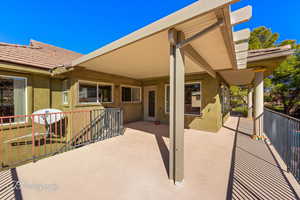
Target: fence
{"type": "Point", "coordinates": [29, 138]}
{"type": "Point", "coordinates": [284, 133]}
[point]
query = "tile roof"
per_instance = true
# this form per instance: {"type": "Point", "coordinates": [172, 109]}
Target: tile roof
{"type": "Point", "coordinates": [261, 54]}
{"type": "Point", "coordinates": [37, 54]}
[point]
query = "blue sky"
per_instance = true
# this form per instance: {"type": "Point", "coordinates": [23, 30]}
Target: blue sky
{"type": "Point", "coordinates": [84, 26]}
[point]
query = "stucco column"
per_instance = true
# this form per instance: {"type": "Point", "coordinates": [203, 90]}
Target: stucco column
{"type": "Point", "coordinates": [250, 102]}
{"type": "Point", "coordinates": [176, 118]}
{"type": "Point", "coordinates": [258, 104]}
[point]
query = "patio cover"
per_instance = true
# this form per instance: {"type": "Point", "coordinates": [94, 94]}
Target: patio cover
{"type": "Point", "coordinates": [145, 52]}
{"type": "Point", "coordinates": [195, 39]}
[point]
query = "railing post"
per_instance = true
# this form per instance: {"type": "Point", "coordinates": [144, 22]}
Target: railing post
{"type": "Point", "coordinates": [1, 140]}
{"type": "Point", "coordinates": [288, 162]}
{"type": "Point", "coordinates": [32, 138]}
{"type": "Point", "coordinates": [90, 124]}
{"type": "Point", "coordinates": [122, 122]}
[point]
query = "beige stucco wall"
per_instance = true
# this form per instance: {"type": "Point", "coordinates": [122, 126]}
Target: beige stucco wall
{"type": "Point", "coordinates": [56, 94]}
{"type": "Point", "coordinates": [42, 90]}
{"type": "Point", "coordinates": [45, 91]}
{"type": "Point", "coordinates": [211, 116]}
{"type": "Point", "coordinates": [132, 111]}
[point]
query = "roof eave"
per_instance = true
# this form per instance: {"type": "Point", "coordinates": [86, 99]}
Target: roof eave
{"type": "Point", "coordinates": [282, 54]}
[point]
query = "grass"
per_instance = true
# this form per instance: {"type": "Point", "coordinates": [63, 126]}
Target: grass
{"type": "Point", "coordinates": [242, 110]}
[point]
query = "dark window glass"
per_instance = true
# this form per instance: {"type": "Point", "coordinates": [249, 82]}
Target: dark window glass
{"type": "Point", "coordinates": [192, 99]}
{"type": "Point", "coordinates": [126, 94]}
{"type": "Point", "coordinates": [12, 97]}
{"type": "Point", "coordinates": [105, 93]}
{"type": "Point", "coordinates": [168, 99]}
{"type": "Point", "coordinates": [87, 93]}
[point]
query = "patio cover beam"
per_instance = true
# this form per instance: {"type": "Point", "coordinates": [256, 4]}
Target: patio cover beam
{"type": "Point", "coordinates": [176, 120]}
{"type": "Point", "coordinates": [190, 52]}
{"type": "Point", "coordinates": [212, 27]}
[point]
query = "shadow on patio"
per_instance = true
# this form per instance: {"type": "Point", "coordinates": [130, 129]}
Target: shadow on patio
{"type": "Point", "coordinates": [9, 185]}
{"type": "Point", "coordinates": [160, 132]}
{"type": "Point", "coordinates": [255, 173]}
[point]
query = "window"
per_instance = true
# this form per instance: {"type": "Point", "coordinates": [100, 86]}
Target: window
{"type": "Point", "coordinates": [87, 93]}
{"type": "Point", "coordinates": [131, 94]}
{"type": "Point", "coordinates": [136, 94]}
{"type": "Point", "coordinates": [105, 93]}
{"type": "Point", "coordinates": [95, 93]}
{"type": "Point", "coordinates": [192, 99]}
{"type": "Point", "coordinates": [65, 91]}
{"type": "Point", "coordinates": [13, 96]}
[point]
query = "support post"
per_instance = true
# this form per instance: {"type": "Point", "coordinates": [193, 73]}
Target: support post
{"type": "Point", "coordinates": [176, 118]}
{"type": "Point", "coordinates": [258, 104]}
{"type": "Point", "coordinates": [250, 102]}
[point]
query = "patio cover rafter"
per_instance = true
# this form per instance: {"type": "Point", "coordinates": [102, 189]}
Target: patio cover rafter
{"type": "Point", "coordinates": [241, 36]}
{"type": "Point", "coordinates": [241, 15]}
{"type": "Point", "coordinates": [231, 19]}
{"type": "Point", "coordinates": [198, 59]}
{"type": "Point", "coordinates": [241, 50]}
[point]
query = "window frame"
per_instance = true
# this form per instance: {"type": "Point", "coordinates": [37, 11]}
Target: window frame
{"type": "Point", "coordinates": [186, 83]}
{"type": "Point", "coordinates": [26, 97]}
{"type": "Point", "coordinates": [131, 87]}
{"type": "Point", "coordinates": [97, 92]}
{"type": "Point", "coordinates": [65, 90]}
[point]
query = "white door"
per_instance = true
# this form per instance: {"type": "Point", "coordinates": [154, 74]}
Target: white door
{"type": "Point", "coordinates": [150, 101]}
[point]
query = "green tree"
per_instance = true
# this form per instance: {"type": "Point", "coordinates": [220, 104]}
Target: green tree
{"type": "Point", "coordinates": [284, 84]}
{"type": "Point", "coordinates": [262, 38]}
{"type": "Point", "coordinates": [238, 100]}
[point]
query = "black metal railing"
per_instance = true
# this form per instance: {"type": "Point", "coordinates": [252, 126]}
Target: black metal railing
{"type": "Point", "coordinates": [104, 124]}
{"type": "Point", "coordinates": [26, 138]}
{"type": "Point", "coordinates": [284, 134]}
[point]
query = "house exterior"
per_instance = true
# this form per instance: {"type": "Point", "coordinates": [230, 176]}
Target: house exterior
{"type": "Point", "coordinates": [30, 83]}
{"type": "Point", "coordinates": [176, 70]}
{"type": "Point", "coordinates": [48, 85]}
{"type": "Point", "coordinates": [27, 87]}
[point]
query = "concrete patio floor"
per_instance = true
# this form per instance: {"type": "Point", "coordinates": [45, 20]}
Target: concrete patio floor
{"type": "Point", "coordinates": [134, 166]}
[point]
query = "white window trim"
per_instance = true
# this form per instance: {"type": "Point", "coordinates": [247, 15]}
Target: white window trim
{"type": "Point", "coordinates": [26, 98]}
{"type": "Point", "coordinates": [130, 86]}
{"type": "Point", "coordinates": [65, 91]}
{"type": "Point", "coordinates": [63, 100]}
{"type": "Point", "coordinates": [96, 84]}
{"type": "Point", "coordinates": [186, 83]}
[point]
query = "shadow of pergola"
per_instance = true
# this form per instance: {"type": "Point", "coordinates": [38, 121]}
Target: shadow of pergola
{"type": "Point", "coordinates": [255, 173]}
{"type": "Point", "coordinates": [10, 185]}
{"type": "Point", "coordinates": [160, 132]}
